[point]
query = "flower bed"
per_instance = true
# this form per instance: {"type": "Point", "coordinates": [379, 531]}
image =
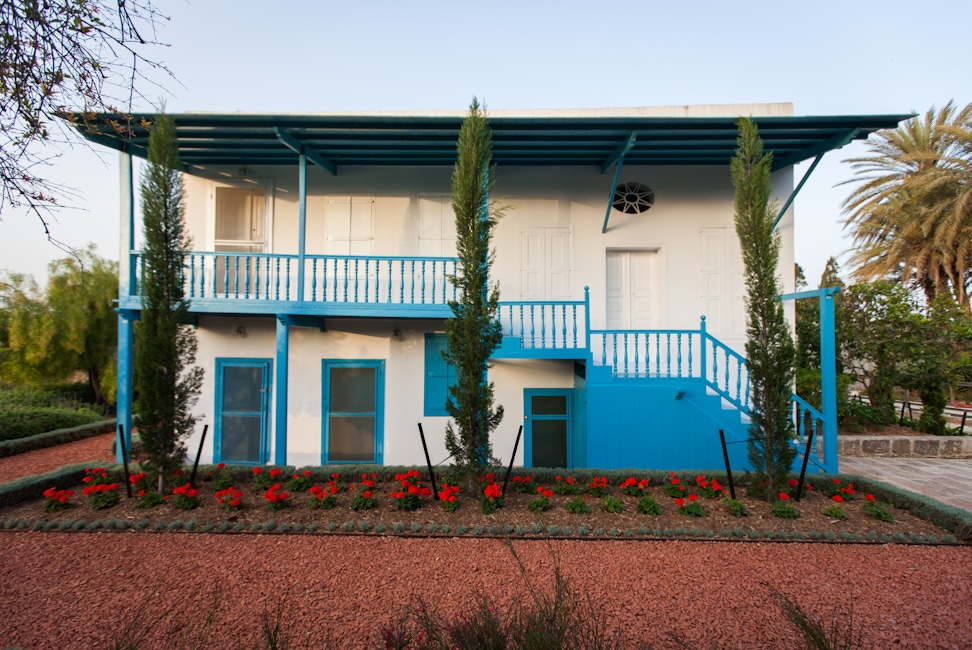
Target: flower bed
{"type": "Point", "coordinates": [319, 500]}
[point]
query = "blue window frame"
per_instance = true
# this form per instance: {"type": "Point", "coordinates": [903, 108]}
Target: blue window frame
{"type": "Point", "coordinates": [547, 442]}
{"type": "Point", "coordinates": [353, 411]}
{"type": "Point", "coordinates": [439, 375]}
{"type": "Point", "coordinates": [242, 434]}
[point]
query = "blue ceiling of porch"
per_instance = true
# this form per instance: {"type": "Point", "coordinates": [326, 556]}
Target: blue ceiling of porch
{"type": "Point", "coordinates": [332, 141]}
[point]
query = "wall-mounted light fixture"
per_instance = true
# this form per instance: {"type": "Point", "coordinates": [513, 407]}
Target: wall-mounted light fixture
{"type": "Point", "coordinates": [396, 335]}
{"type": "Point", "coordinates": [240, 332]}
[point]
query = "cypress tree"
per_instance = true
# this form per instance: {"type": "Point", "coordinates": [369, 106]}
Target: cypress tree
{"type": "Point", "coordinates": [165, 346]}
{"type": "Point", "coordinates": [474, 331]}
{"type": "Point", "coordinates": [769, 348]}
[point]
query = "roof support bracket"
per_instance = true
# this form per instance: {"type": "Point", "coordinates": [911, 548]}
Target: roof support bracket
{"type": "Point", "coordinates": [618, 155]}
{"type": "Point", "coordinates": [616, 158]}
{"type": "Point", "coordinates": [796, 190]}
{"type": "Point", "coordinates": [298, 147]}
{"type": "Point", "coordinates": [614, 188]}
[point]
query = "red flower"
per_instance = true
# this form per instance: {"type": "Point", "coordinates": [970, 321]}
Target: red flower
{"type": "Point", "coordinates": [234, 503]}
{"type": "Point", "coordinates": [793, 482]}
{"type": "Point", "coordinates": [335, 476]}
{"type": "Point", "coordinates": [692, 497]}
{"type": "Point", "coordinates": [141, 493]}
{"type": "Point", "coordinates": [837, 498]}
{"type": "Point", "coordinates": [177, 472]}
{"type": "Point", "coordinates": [836, 481]}
{"type": "Point", "coordinates": [784, 496]}
{"type": "Point", "coordinates": [869, 497]}
{"type": "Point", "coordinates": [274, 473]}
{"type": "Point", "coordinates": [680, 502]}
{"type": "Point", "coordinates": [675, 481]}
{"type": "Point", "coordinates": [220, 465]}
{"type": "Point", "coordinates": [367, 494]}
{"type": "Point", "coordinates": [307, 473]}
{"type": "Point", "coordinates": [192, 493]}
{"type": "Point", "coordinates": [257, 471]}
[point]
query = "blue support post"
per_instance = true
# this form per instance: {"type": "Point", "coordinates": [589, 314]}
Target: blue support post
{"type": "Point", "coordinates": [280, 394]}
{"type": "Point", "coordinates": [828, 378]}
{"type": "Point", "coordinates": [124, 397]}
{"type": "Point", "coordinates": [301, 224]}
{"type": "Point", "coordinates": [126, 270]}
{"type": "Point", "coordinates": [126, 287]}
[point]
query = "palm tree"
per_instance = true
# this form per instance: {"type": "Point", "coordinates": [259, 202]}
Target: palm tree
{"type": "Point", "coordinates": [911, 216]}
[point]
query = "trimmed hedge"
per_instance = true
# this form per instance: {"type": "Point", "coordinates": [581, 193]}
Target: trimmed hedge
{"type": "Point", "coordinates": [21, 422]}
{"type": "Point", "coordinates": [56, 437]}
{"type": "Point", "coordinates": [32, 487]}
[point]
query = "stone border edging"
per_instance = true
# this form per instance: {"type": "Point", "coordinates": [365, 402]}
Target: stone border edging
{"type": "Point", "coordinates": [905, 446]}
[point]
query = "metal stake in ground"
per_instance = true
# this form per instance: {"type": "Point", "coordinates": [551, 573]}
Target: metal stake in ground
{"type": "Point", "coordinates": [428, 461]}
{"type": "Point", "coordinates": [195, 465]}
{"type": "Point", "coordinates": [512, 458]}
{"type": "Point", "coordinates": [121, 442]}
{"type": "Point", "coordinates": [803, 469]}
{"type": "Point", "coordinates": [725, 456]}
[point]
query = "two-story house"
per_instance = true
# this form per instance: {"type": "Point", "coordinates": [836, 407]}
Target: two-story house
{"type": "Point", "coordinates": [319, 281]}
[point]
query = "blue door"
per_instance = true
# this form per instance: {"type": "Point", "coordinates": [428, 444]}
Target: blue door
{"type": "Point", "coordinates": [242, 411]}
{"type": "Point", "coordinates": [353, 415]}
{"type": "Point", "coordinates": [547, 427]}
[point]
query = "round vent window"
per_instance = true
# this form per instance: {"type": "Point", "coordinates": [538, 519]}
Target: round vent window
{"type": "Point", "coordinates": [633, 198]}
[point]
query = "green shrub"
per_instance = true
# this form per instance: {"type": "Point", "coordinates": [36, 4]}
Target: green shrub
{"type": "Point", "coordinates": [876, 511]}
{"type": "Point", "coordinates": [612, 504]}
{"type": "Point", "coordinates": [736, 508]}
{"type": "Point", "coordinates": [648, 506]}
{"type": "Point", "coordinates": [21, 422]}
{"type": "Point", "coordinates": [578, 506]}
{"type": "Point", "coordinates": [835, 512]}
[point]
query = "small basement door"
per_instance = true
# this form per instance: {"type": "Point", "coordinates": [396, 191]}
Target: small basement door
{"type": "Point", "coordinates": [547, 427]}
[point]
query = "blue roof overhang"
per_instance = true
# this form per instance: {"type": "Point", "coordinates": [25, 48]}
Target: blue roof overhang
{"type": "Point", "coordinates": [332, 141]}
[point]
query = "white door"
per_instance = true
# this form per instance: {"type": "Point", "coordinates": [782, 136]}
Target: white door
{"type": "Point", "coordinates": [545, 263]}
{"type": "Point", "coordinates": [632, 289]}
{"type": "Point", "coordinates": [723, 288]}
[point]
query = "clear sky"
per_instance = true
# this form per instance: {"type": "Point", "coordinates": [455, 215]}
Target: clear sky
{"type": "Point", "coordinates": [828, 58]}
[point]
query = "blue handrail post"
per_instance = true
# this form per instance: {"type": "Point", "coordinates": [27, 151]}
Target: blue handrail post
{"type": "Point", "coordinates": [587, 320]}
{"type": "Point", "coordinates": [705, 375]}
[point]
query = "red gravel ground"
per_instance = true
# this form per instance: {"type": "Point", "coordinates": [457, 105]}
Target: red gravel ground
{"type": "Point", "coordinates": [75, 590]}
{"type": "Point", "coordinates": [39, 461]}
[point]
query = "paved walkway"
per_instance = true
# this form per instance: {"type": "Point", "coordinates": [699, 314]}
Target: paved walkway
{"type": "Point", "coordinates": [948, 480]}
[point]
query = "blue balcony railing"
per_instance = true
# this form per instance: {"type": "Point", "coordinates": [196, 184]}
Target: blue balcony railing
{"type": "Point", "coordinates": [546, 325]}
{"type": "Point", "coordinates": [267, 277]}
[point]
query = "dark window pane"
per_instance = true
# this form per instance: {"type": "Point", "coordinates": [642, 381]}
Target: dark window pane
{"type": "Point", "coordinates": [351, 438]}
{"type": "Point", "coordinates": [352, 390]}
{"type": "Point", "coordinates": [549, 404]}
{"type": "Point", "coordinates": [241, 438]}
{"type": "Point", "coordinates": [549, 443]}
{"type": "Point", "coordinates": [242, 386]}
